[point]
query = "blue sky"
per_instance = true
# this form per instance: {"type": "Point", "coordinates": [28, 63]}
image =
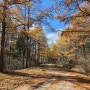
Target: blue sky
{"type": "Point", "coordinates": [51, 36]}
{"type": "Point", "coordinates": [46, 3]}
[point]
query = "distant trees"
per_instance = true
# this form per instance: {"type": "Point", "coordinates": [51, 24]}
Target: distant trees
{"type": "Point", "coordinates": [32, 44]}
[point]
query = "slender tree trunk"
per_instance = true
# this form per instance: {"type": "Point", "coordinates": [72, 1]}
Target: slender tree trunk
{"type": "Point", "coordinates": [3, 36]}
{"type": "Point", "coordinates": [38, 59]}
{"type": "Point", "coordinates": [27, 59]}
{"type": "Point", "coordinates": [24, 44]}
{"type": "Point", "coordinates": [35, 54]}
{"type": "Point", "coordinates": [28, 17]}
{"type": "Point", "coordinates": [84, 50]}
{"type": "Point", "coordinates": [23, 54]}
{"type": "Point", "coordinates": [30, 51]}
{"type": "Point", "coordinates": [27, 55]}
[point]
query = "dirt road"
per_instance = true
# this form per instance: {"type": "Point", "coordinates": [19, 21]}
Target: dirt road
{"type": "Point", "coordinates": [58, 79]}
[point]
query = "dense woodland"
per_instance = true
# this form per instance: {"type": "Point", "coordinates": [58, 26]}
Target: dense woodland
{"type": "Point", "coordinates": [24, 45]}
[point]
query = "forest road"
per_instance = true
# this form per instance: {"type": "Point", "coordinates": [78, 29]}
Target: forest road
{"type": "Point", "coordinates": [60, 80]}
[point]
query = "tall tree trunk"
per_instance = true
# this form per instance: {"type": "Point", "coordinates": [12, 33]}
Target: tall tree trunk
{"type": "Point", "coordinates": [27, 54]}
{"type": "Point", "coordinates": [2, 46]}
{"type": "Point", "coordinates": [23, 54]}
{"type": "Point", "coordinates": [3, 36]}
{"type": "Point", "coordinates": [27, 59]}
{"type": "Point", "coordinates": [38, 54]}
{"type": "Point", "coordinates": [84, 53]}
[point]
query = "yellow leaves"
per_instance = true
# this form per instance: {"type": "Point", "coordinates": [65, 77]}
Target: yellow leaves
{"type": "Point", "coordinates": [85, 6]}
{"type": "Point", "coordinates": [71, 56]}
{"type": "Point", "coordinates": [15, 11]}
{"type": "Point", "coordinates": [37, 33]}
{"type": "Point", "coordinates": [11, 31]}
{"type": "Point", "coordinates": [1, 16]}
{"type": "Point", "coordinates": [15, 24]}
{"type": "Point", "coordinates": [79, 20]}
{"type": "Point", "coordinates": [7, 20]}
{"type": "Point", "coordinates": [68, 2]}
{"type": "Point", "coordinates": [16, 1]}
{"type": "Point", "coordinates": [63, 40]}
{"type": "Point", "coordinates": [81, 43]}
{"type": "Point", "coordinates": [20, 0]}
{"type": "Point", "coordinates": [65, 53]}
{"type": "Point", "coordinates": [27, 3]}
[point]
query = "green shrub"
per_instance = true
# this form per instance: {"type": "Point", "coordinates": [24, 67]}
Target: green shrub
{"type": "Point", "coordinates": [15, 53]}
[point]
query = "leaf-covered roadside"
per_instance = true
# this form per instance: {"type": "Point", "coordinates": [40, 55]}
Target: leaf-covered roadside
{"type": "Point", "coordinates": [36, 76]}
{"type": "Point", "coordinates": [10, 81]}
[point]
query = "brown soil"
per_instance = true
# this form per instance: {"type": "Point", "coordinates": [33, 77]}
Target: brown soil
{"type": "Point", "coordinates": [46, 77]}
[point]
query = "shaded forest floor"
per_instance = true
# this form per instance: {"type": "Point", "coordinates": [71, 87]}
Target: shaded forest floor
{"type": "Point", "coordinates": [45, 77]}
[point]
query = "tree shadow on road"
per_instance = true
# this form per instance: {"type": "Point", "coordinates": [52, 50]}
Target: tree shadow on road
{"type": "Point", "coordinates": [69, 78]}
